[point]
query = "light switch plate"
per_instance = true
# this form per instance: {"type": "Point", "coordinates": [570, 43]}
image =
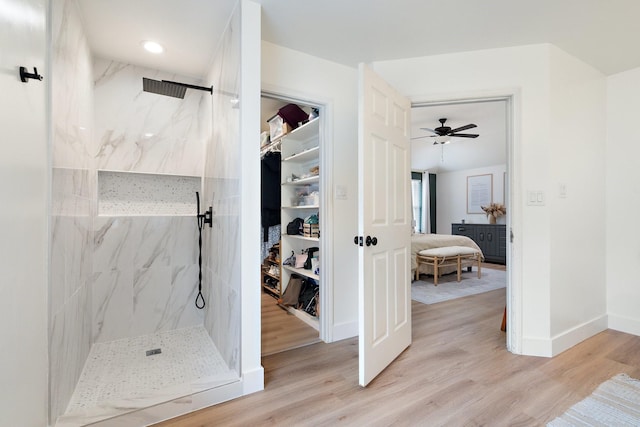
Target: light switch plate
{"type": "Point", "coordinates": [341, 192]}
{"type": "Point", "coordinates": [535, 198]}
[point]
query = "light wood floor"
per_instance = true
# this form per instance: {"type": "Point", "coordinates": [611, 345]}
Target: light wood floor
{"type": "Point", "coordinates": [282, 330]}
{"type": "Point", "coordinates": [456, 372]}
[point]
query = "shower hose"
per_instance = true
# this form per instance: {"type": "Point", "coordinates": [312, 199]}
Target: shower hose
{"type": "Point", "coordinates": [200, 218]}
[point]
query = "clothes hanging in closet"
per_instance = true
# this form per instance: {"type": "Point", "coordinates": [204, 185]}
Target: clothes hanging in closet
{"type": "Point", "coordinates": [270, 190]}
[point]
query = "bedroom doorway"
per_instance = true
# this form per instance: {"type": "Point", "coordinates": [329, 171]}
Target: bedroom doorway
{"type": "Point", "coordinates": [455, 160]}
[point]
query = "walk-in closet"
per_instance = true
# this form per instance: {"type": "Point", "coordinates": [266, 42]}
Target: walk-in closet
{"type": "Point", "coordinates": [291, 277]}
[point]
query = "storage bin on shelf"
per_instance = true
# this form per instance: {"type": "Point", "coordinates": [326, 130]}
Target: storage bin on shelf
{"type": "Point", "coordinates": [311, 230]}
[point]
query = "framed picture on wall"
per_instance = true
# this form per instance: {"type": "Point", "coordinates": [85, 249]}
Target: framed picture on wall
{"type": "Point", "coordinates": [479, 192]}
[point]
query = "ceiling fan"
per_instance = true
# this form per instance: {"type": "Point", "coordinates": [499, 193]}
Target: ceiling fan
{"type": "Point", "coordinates": [443, 133]}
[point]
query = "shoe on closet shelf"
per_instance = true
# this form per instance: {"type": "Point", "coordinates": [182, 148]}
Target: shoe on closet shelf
{"type": "Point", "coordinates": [274, 271]}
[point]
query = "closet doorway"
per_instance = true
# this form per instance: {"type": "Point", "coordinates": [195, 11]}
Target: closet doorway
{"type": "Point", "coordinates": [291, 203]}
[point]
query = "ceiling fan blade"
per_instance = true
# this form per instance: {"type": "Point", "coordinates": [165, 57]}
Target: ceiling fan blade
{"type": "Point", "coordinates": [465, 127]}
{"type": "Point", "coordinates": [429, 130]}
{"type": "Point", "coordinates": [420, 137]}
{"type": "Point", "coordinates": [465, 135]}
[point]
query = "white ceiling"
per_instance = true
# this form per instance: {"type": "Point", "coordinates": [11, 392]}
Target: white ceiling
{"type": "Point", "coordinates": [189, 30]}
{"type": "Point", "coordinates": [488, 149]}
{"type": "Point", "coordinates": [603, 33]}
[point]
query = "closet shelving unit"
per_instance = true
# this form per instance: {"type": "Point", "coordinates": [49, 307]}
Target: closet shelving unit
{"type": "Point", "coordinates": [300, 153]}
{"type": "Point", "coordinates": [275, 291]}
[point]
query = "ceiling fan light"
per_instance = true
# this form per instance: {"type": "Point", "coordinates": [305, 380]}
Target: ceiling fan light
{"type": "Point", "coordinates": [442, 139]}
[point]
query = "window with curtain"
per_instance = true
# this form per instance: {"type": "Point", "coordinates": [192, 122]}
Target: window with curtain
{"type": "Point", "coordinates": [417, 202]}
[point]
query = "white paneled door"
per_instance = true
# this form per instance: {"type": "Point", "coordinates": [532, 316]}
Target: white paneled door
{"type": "Point", "coordinates": [384, 225]}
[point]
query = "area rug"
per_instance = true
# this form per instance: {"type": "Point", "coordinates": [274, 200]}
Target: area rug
{"type": "Point", "coordinates": [615, 402]}
{"type": "Point", "coordinates": [449, 288]}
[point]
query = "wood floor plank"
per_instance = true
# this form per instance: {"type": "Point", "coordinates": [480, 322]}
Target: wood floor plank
{"type": "Point", "coordinates": [456, 372]}
{"type": "Point", "coordinates": [282, 330]}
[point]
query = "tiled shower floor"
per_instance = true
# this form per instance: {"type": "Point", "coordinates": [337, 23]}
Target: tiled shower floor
{"type": "Point", "coordinates": [120, 370]}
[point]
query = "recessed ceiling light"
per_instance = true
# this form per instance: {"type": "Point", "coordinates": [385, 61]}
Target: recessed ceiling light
{"type": "Point", "coordinates": [152, 47]}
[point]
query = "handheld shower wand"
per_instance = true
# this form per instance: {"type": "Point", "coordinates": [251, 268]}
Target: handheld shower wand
{"type": "Point", "coordinates": [205, 218]}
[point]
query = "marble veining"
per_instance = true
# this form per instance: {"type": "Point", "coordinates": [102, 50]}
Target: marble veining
{"type": "Point", "coordinates": [146, 276]}
{"type": "Point", "coordinates": [72, 204]}
{"type": "Point", "coordinates": [221, 190]}
{"type": "Point", "coordinates": [145, 132]}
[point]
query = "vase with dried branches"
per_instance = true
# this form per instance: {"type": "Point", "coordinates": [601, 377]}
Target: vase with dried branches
{"type": "Point", "coordinates": [494, 211]}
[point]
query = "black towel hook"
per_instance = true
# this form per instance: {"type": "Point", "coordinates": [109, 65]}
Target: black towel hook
{"type": "Point", "coordinates": [25, 75]}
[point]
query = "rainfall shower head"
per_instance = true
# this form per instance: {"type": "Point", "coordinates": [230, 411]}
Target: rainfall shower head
{"type": "Point", "coordinates": [169, 88]}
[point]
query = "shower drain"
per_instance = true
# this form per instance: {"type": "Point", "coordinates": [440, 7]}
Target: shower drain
{"type": "Point", "coordinates": [154, 351]}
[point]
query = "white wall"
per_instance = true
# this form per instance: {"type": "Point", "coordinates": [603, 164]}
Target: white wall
{"type": "Point", "coordinates": [451, 194]}
{"type": "Point", "coordinates": [576, 153]}
{"type": "Point", "coordinates": [623, 200]}
{"type": "Point", "coordinates": [288, 71]}
{"type": "Point", "coordinates": [24, 181]}
{"type": "Point", "coordinates": [252, 371]}
{"type": "Point", "coordinates": [530, 73]}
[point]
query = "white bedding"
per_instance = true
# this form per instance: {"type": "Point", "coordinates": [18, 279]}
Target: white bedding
{"type": "Point", "coordinates": [430, 241]}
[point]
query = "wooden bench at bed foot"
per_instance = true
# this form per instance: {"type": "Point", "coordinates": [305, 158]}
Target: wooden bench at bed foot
{"type": "Point", "coordinates": [447, 256]}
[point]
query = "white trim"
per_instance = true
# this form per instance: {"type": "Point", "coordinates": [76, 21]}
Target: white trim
{"type": "Point", "coordinates": [536, 347]}
{"type": "Point", "coordinates": [326, 199]}
{"type": "Point", "coordinates": [576, 335]}
{"type": "Point", "coordinates": [346, 330]}
{"type": "Point", "coordinates": [250, 306]}
{"type": "Point", "coordinates": [624, 324]}
{"type": "Point", "coordinates": [545, 347]}
{"type": "Point", "coordinates": [253, 381]}
{"type": "Point", "coordinates": [512, 96]}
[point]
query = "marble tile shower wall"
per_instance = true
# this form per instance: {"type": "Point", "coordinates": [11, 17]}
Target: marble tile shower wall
{"type": "Point", "coordinates": [72, 195]}
{"type": "Point", "coordinates": [139, 131]}
{"type": "Point", "coordinates": [145, 266]}
{"type": "Point", "coordinates": [222, 191]}
{"type": "Point", "coordinates": [146, 276]}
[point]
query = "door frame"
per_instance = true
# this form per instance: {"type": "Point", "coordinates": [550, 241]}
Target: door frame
{"type": "Point", "coordinates": [326, 201]}
{"type": "Point", "coordinates": [513, 201]}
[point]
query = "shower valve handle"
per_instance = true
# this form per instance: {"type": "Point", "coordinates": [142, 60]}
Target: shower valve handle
{"type": "Point", "coordinates": [208, 216]}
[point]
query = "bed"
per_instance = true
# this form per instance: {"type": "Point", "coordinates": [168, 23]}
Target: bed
{"type": "Point", "coordinates": [430, 241]}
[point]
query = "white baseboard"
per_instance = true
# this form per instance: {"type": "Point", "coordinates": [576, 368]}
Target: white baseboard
{"type": "Point", "coordinates": [343, 331]}
{"type": "Point", "coordinates": [253, 381]}
{"type": "Point", "coordinates": [545, 347]}
{"type": "Point", "coordinates": [624, 324]}
{"type": "Point", "coordinates": [540, 347]}
{"type": "Point", "coordinates": [568, 339]}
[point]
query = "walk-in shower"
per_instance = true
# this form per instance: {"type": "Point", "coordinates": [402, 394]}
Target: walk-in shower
{"type": "Point", "coordinates": [125, 261]}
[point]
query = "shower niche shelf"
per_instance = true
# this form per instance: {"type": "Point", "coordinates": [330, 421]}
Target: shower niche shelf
{"type": "Point", "coordinates": [146, 194]}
